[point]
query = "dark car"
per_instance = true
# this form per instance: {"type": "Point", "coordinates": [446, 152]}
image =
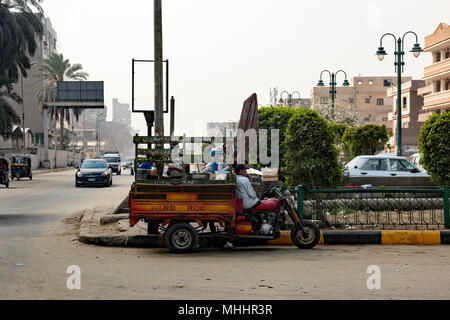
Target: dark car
{"type": "Point", "coordinates": [94, 172]}
{"type": "Point", "coordinates": [4, 179]}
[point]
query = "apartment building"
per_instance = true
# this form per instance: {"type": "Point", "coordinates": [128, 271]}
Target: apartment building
{"type": "Point", "coordinates": [31, 86]}
{"type": "Point", "coordinates": [436, 92]}
{"type": "Point", "coordinates": [222, 129]}
{"type": "Point", "coordinates": [411, 103]}
{"type": "Point", "coordinates": [366, 97]}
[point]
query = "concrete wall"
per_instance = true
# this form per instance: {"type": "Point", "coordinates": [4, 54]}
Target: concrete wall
{"type": "Point", "coordinates": [63, 158]}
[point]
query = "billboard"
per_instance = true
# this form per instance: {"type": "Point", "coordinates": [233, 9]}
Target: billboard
{"type": "Point", "coordinates": [85, 94]}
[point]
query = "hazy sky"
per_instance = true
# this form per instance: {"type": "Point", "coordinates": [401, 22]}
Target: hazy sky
{"type": "Point", "coordinates": [221, 52]}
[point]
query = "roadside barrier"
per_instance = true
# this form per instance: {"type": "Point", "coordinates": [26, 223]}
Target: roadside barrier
{"type": "Point", "coordinates": [376, 208]}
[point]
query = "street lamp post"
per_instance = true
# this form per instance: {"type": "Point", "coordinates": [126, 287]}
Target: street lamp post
{"type": "Point", "coordinates": [289, 99]}
{"type": "Point", "coordinates": [399, 66]}
{"type": "Point", "coordinates": [333, 85]}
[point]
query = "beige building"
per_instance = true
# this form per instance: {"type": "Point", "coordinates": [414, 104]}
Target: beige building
{"type": "Point", "coordinates": [436, 92]}
{"type": "Point", "coordinates": [31, 84]}
{"type": "Point", "coordinates": [295, 103]}
{"type": "Point", "coordinates": [366, 98]}
{"type": "Point", "coordinates": [222, 129]}
{"type": "Point", "coordinates": [411, 107]}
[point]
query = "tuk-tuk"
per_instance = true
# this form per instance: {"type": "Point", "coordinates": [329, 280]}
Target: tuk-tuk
{"type": "Point", "coordinates": [21, 167]}
{"type": "Point", "coordinates": [4, 179]}
{"type": "Point", "coordinates": [204, 208]}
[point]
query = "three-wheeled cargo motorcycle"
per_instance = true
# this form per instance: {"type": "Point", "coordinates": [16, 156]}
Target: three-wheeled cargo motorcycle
{"type": "Point", "coordinates": [4, 178]}
{"type": "Point", "coordinates": [187, 211]}
{"type": "Point", "coordinates": [21, 167]}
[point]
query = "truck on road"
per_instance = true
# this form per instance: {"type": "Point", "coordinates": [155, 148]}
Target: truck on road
{"type": "Point", "coordinates": [114, 161]}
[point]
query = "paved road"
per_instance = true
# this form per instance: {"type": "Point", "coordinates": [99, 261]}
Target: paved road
{"type": "Point", "coordinates": [36, 248]}
{"type": "Point", "coordinates": [28, 208]}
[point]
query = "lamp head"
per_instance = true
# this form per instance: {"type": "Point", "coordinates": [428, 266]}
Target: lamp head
{"type": "Point", "coordinates": [320, 83]}
{"type": "Point", "coordinates": [416, 50]}
{"type": "Point", "coordinates": [381, 53]}
{"type": "Point", "coordinates": [346, 83]}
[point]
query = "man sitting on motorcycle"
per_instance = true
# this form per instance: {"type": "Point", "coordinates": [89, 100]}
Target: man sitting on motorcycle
{"type": "Point", "coordinates": [245, 191]}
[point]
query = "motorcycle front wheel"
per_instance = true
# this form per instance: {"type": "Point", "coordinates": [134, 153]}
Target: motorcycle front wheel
{"type": "Point", "coordinates": [309, 240]}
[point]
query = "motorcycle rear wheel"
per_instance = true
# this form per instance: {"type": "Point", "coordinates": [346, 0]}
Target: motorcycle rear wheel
{"type": "Point", "coordinates": [311, 239]}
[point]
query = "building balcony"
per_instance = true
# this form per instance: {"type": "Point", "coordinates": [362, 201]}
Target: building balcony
{"type": "Point", "coordinates": [425, 90]}
{"type": "Point", "coordinates": [437, 70]}
{"type": "Point", "coordinates": [437, 100]}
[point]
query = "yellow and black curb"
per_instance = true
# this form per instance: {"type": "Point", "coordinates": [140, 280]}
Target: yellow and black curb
{"type": "Point", "coordinates": [383, 237]}
{"type": "Point", "coordinates": [327, 237]}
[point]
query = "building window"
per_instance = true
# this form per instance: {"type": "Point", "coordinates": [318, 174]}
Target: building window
{"type": "Point", "coordinates": [386, 83]}
{"type": "Point", "coordinates": [405, 102]}
{"type": "Point", "coordinates": [438, 56]}
{"type": "Point", "coordinates": [370, 82]}
{"type": "Point", "coordinates": [447, 84]}
{"type": "Point", "coordinates": [360, 82]}
{"type": "Point", "coordinates": [351, 100]}
{"type": "Point", "coordinates": [438, 86]}
{"type": "Point", "coordinates": [367, 100]}
{"type": "Point", "coordinates": [447, 54]}
{"type": "Point", "coordinates": [323, 100]}
{"type": "Point", "coordinates": [366, 119]}
{"type": "Point", "coordinates": [380, 102]}
{"type": "Point", "coordinates": [384, 119]}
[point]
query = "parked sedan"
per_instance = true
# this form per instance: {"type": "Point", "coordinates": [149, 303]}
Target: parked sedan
{"type": "Point", "coordinates": [415, 159]}
{"type": "Point", "coordinates": [94, 172]}
{"type": "Point", "coordinates": [384, 165]}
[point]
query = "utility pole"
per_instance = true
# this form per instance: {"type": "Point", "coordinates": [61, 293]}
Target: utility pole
{"type": "Point", "coordinates": [159, 108]}
{"type": "Point", "coordinates": [97, 134]}
{"type": "Point", "coordinates": [84, 134]}
{"type": "Point", "coordinates": [47, 163]}
{"type": "Point", "coordinates": [73, 134]}
{"type": "Point", "coordinates": [23, 113]}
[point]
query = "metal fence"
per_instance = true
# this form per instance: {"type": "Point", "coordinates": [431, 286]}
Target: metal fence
{"type": "Point", "coordinates": [380, 208]}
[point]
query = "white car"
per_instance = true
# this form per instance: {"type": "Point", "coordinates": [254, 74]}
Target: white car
{"type": "Point", "coordinates": [415, 159]}
{"type": "Point", "coordinates": [383, 165]}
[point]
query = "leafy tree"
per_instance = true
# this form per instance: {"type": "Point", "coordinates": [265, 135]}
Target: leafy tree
{"type": "Point", "coordinates": [434, 145]}
{"type": "Point", "coordinates": [276, 118]}
{"type": "Point", "coordinates": [55, 68]}
{"type": "Point", "coordinates": [365, 140]}
{"type": "Point", "coordinates": [311, 157]}
{"type": "Point", "coordinates": [338, 130]}
{"type": "Point", "coordinates": [19, 30]}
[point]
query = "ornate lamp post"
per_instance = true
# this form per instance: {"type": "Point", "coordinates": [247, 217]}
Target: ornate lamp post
{"type": "Point", "coordinates": [289, 99]}
{"type": "Point", "coordinates": [399, 66]}
{"type": "Point", "coordinates": [333, 85]}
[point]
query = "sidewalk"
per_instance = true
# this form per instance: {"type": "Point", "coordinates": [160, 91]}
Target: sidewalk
{"type": "Point", "coordinates": [118, 233]}
{"type": "Point", "coordinates": [43, 171]}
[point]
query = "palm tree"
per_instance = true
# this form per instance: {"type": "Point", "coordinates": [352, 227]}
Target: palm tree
{"type": "Point", "coordinates": [8, 118]}
{"type": "Point", "coordinates": [20, 28]}
{"type": "Point", "coordinates": [55, 68]}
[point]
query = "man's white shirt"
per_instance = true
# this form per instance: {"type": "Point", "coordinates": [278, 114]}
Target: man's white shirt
{"type": "Point", "coordinates": [245, 191]}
